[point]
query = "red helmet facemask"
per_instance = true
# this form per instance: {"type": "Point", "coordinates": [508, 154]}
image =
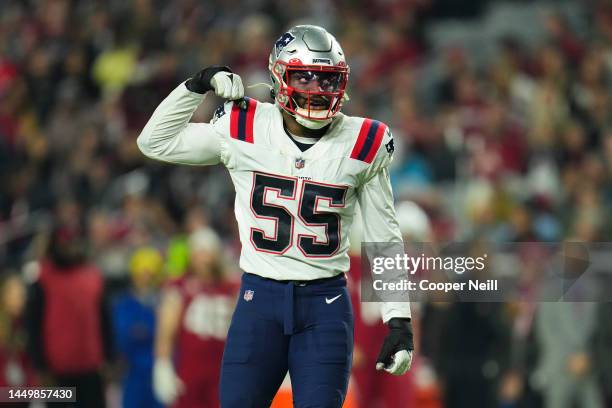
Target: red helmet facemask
{"type": "Point", "coordinates": [315, 92]}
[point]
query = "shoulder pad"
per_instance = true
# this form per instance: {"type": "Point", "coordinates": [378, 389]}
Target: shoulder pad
{"type": "Point", "coordinates": [369, 140]}
{"type": "Point", "coordinates": [242, 118]}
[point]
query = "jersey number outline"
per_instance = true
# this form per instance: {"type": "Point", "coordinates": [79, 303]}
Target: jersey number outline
{"type": "Point", "coordinates": [310, 195]}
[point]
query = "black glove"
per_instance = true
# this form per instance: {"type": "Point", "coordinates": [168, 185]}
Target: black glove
{"type": "Point", "coordinates": [396, 353]}
{"type": "Point", "coordinates": [200, 82]}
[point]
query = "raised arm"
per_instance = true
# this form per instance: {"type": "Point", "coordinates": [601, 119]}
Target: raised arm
{"type": "Point", "coordinates": [168, 135]}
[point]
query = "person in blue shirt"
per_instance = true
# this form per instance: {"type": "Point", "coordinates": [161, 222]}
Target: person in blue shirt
{"type": "Point", "coordinates": [134, 328]}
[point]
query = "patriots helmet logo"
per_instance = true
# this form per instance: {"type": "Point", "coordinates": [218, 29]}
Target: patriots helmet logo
{"type": "Point", "coordinates": [282, 42]}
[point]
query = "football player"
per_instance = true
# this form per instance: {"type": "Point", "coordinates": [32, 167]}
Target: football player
{"type": "Point", "coordinates": [299, 168]}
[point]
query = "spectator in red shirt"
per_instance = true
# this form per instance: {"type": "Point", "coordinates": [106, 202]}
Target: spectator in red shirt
{"type": "Point", "coordinates": [69, 326]}
{"type": "Point", "coordinates": [193, 320]}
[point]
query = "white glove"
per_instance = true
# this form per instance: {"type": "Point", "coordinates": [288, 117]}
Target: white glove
{"type": "Point", "coordinates": [167, 386]}
{"type": "Point", "coordinates": [402, 360]}
{"type": "Point", "coordinates": [227, 85]}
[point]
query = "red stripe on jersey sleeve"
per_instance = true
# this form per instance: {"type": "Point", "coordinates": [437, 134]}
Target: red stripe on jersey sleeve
{"type": "Point", "coordinates": [377, 141]}
{"type": "Point", "coordinates": [234, 115]}
{"type": "Point", "coordinates": [363, 132]}
{"type": "Point", "coordinates": [250, 120]}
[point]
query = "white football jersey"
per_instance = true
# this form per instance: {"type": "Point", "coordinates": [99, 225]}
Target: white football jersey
{"type": "Point", "coordinates": [294, 208]}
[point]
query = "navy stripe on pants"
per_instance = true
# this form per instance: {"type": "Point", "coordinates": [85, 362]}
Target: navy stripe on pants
{"type": "Point", "coordinates": [291, 327]}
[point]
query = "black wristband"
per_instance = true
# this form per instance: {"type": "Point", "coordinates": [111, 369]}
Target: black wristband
{"type": "Point", "coordinates": [200, 82]}
{"type": "Point", "coordinates": [399, 323]}
{"type": "Point", "coordinates": [402, 326]}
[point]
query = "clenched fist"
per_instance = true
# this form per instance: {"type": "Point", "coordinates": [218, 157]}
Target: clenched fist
{"type": "Point", "coordinates": [219, 78]}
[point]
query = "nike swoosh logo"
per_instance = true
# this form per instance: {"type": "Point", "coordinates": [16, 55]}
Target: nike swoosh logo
{"type": "Point", "coordinates": [328, 301]}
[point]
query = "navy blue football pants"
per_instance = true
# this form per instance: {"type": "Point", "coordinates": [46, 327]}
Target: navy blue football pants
{"type": "Point", "coordinates": [279, 326]}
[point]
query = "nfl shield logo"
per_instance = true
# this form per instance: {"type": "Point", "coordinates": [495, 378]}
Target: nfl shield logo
{"type": "Point", "coordinates": [299, 163]}
{"type": "Point", "coordinates": [248, 295]}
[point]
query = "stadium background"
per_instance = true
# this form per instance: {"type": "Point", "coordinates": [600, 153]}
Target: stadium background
{"type": "Point", "coordinates": [502, 118]}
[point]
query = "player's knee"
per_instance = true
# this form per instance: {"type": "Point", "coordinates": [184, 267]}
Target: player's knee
{"type": "Point", "coordinates": [322, 397]}
{"type": "Point", "coordinates": [237, 399]}
{"type": "Point", "coordinates": [243, 397]}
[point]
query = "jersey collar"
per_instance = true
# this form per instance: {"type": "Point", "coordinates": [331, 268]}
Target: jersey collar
{"type": "Point", "coordinates": [319, 149]}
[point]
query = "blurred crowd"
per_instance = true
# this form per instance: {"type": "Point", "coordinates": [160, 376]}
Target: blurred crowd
{"type": "Point", "coordinates": [507, 146]}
